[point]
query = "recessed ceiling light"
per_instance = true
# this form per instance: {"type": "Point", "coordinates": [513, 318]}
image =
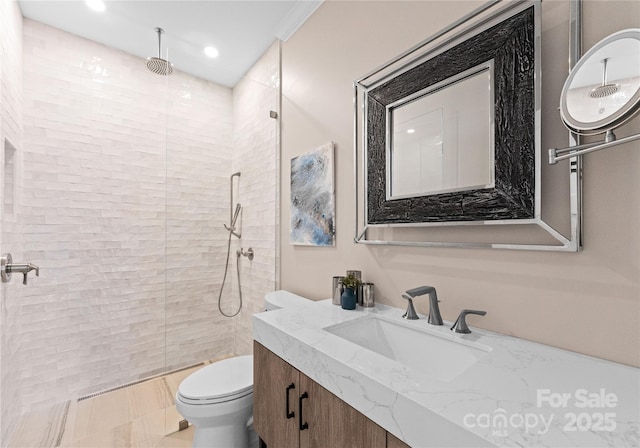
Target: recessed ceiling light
{"type": "Point", "coordinates": [96, 5]}
{"type": "Point", "coordinates": [410, 131]}
{"type": "Point", "coordinates": [211, 52]}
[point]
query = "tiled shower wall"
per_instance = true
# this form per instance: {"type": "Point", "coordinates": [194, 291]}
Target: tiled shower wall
{"type": "Point", "coordinates": [126, 186]}
{"type": "Point", "coordinates": [10, 146]}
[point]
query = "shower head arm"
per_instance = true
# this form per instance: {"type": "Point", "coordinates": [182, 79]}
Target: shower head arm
{"type": "Point", "coordinates": [159, 31]}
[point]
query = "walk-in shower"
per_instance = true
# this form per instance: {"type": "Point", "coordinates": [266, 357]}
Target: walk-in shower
{"type": "Point", "coordinates": [119, 197]}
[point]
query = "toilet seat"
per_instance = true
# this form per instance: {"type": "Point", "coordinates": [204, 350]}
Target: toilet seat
{"type": "Point", "coordinates": [223, 381]}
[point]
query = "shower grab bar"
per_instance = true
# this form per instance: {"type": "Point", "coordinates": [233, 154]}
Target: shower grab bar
{"type": "Point", "coordinates": [233, 218]}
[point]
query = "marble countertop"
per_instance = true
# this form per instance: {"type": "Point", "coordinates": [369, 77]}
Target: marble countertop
{"type": "Point", "coordinates": [520, 393]}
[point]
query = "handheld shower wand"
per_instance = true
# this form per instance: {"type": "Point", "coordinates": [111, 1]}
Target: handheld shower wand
{"type": "Point", "coordinates": [235, 216]}
{"type": "Point", "coordinates": [232, 225]}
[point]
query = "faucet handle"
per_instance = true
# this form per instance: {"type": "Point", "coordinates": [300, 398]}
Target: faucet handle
{"type": "Point", "coordinates": [460, 325]}
{"type": "Point", "coordinates": [30, 267]}
{"type": "Point", "coordinates": [410, 314]}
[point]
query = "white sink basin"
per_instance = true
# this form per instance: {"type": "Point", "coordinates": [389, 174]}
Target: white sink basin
{"type": "Point", "coordinates": [440, 357]}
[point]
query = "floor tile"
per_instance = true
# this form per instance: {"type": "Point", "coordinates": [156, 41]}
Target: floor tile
{"type": "Point", "coordinates": [180, 439]}
{"type": "Point", "coordinates": [148, 397]}
{"type": "Point", "coordinates": [173, 380]}
{"type": "Point", "coordinates": [139, 416]}
{"type": "Point", "coordinates": [43, 428]}
{"type": "Point", "coordinates": [102, 413]}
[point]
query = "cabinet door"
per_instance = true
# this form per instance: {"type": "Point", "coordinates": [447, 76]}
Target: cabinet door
{"type": "Point", "coordinates": [272, 384]}
{"type": "Point", "coordinates": [394, 442]}
{"type": "Point", "coordinates": [333, 423]}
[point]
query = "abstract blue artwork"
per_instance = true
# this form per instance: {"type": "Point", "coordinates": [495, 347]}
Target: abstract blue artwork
{"type": "Point", "coordinates": [312, 198]}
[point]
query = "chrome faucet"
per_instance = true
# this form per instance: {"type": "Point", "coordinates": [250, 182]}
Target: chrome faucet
{"type": "Point", "coordinates": [434, 310]}
{"type": "Point", "coordinates": [460, 325]}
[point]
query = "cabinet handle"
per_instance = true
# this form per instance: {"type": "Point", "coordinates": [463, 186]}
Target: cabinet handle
{"type": "Point", "coordinates": [304, 425]}
{"type": "Point", "coordinates": [290, 414]}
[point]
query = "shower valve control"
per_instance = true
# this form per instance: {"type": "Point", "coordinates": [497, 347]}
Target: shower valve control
{"type": "Point", "coordinates": [7, 267]}
{"type": "Point", "coordinates": [245, 253]}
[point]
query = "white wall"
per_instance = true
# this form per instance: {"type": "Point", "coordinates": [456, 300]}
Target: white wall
{"type": "Point", "coordinates": [588, 302]}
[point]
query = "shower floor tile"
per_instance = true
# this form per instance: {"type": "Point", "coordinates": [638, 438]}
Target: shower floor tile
{"type": "Point", "coordinates": [139, 416]}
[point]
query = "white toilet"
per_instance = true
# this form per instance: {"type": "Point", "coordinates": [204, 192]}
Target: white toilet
{"type": "Point", "coordinates": [218, 399]}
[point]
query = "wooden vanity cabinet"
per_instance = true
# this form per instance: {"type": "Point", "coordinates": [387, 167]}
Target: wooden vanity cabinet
{"type": "Point", "coordinates": [313, 418]}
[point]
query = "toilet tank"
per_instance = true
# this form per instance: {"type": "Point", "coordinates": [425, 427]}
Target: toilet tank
{"type": "Point", "coordinates": [283, 299]}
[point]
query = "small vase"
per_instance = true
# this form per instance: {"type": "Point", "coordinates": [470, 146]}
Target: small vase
{"type": "Point", "coordinates": [348, 299]}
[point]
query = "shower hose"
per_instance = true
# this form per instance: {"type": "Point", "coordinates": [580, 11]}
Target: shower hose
{"type": "Point", "coordinates": [224, 278]}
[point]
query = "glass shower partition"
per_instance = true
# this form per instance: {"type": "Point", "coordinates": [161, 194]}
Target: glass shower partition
{"type": "Point", "coordinates": [212, 132]}
{"type": "Point", "coordinates": [90, 210]}
{"type": "Point", "coordinates": [199, 129]}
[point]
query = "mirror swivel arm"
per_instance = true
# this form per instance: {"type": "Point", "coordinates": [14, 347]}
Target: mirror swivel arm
{"type": "Point", "coordinates": [580, 150]}
{"type": "Point", "coordinates": [460, 325]}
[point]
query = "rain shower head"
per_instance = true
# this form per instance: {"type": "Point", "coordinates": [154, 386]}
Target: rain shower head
{"type": "Point", "coordinates": [604, 89]}
{"type": "Point", "coordinates": [158, 65]}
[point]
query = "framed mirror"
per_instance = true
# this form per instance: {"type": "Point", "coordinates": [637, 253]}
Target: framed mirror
{"type": "Point", "coordinates": [448, 136]}
{"type": "Point", "coordinates": [453, 137]}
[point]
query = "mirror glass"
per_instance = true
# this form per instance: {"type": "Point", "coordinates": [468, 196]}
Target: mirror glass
{"type": "Point", "coordinates": [604, 85]}
{"type": "Point", "coordinates": [442, 140]}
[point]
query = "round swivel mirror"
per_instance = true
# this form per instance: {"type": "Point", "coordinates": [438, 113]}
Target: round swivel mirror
{"type": "Point", "coordinates": [603, 89]}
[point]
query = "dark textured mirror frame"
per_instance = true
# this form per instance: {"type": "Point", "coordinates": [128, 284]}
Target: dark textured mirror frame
{"type": "Point", "coordinates": [511, 45]}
